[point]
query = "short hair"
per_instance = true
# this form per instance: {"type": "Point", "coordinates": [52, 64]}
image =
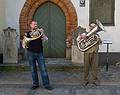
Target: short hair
{"type": "Point", "coordinates": [31, 22]}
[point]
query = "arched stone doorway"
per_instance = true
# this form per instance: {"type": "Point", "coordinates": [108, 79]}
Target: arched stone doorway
{"type": "Point", "coordinates": [66, 6]}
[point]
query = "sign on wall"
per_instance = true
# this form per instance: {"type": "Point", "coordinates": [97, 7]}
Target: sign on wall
{"type": "Point", "coordinates": [82, 3]}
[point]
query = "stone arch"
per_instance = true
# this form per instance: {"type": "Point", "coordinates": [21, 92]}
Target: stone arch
{"type": "Point", "coordinates": [66, 6]}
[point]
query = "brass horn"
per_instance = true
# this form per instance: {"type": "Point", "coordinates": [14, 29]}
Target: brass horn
{"type": "Point", "coordinates": [37, 33]}
{"type": "Point", "coordinates": [92, 38]}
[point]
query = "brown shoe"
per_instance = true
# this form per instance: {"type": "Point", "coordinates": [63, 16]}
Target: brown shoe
{"type": "Point", "coordinates": [96, 83]}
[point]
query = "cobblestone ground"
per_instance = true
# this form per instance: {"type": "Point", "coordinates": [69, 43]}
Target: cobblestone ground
{"type": "Point", "coordinates": [64, 83]}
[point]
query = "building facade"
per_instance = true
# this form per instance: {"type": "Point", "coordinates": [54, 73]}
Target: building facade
{"type": "Point", "coordinates": [60, 18]}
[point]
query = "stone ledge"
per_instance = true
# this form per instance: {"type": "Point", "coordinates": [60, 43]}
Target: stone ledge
{"type": "Point", "coordinates": [51, 67]}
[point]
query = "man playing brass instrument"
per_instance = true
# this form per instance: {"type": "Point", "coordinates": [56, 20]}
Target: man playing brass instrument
{"type": "Point", "coordinates": [90, 57]}
{"type": "Point", "coordinates": [35, 53]}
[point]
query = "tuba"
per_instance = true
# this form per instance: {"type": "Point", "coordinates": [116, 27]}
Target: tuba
{"type": "Point", "coordinates": [92, 37]}
{"type": "Point", "coordinates": [35, 34]}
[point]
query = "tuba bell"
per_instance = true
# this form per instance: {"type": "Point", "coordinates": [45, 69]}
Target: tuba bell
{"type": "Point", "coordinates": [92, 37]}
{"type": "Point", "coordinates": [35, 34]}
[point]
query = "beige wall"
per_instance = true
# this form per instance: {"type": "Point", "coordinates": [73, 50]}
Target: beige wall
{"type": "Point", "coordinates": [2, 14]}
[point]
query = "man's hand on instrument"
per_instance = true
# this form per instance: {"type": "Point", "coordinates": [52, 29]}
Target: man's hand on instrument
{"type": "Point", "coordinates": [41, 30]}
{"type": "Point", "coordinates": [84, 37]}
{"type": "Point", "coordinates": [100, 41]}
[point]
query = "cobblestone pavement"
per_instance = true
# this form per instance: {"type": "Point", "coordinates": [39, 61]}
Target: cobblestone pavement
{"type": "Point", "coordinates": [64, 83]}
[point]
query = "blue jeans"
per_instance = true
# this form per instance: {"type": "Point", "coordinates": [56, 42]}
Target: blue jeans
{"type": "Point", "coordinates": [39, 58]}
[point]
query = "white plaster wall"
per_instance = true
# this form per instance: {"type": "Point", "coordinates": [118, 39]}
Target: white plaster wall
{"type": "Point", "coordinates": [12, 13]}
{"type": "Point", "coordinates": [112, 32]}
{"type": "Point", "coordinates": [2, 14]}
{"type": "Point", "coordinates": [82, 13]}
{"type": "Point", "coordinates": [13, 9]}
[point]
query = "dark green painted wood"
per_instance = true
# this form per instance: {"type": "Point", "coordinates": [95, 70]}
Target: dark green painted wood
{"type": "Point", "coordinates": [102, 10]}
{"type": "Point", "coordinates": [52, 19]}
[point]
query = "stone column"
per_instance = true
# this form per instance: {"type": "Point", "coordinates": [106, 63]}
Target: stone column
{"type": "Point", "coordinates": [10, 51]}
{"type": "Point", "coordinates": [77, 55]}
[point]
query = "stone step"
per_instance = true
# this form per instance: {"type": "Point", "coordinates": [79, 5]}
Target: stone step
{"type": "Point", "coordinates": [53, 64]}
{"type": "Point", "coordinates": [51, 67]}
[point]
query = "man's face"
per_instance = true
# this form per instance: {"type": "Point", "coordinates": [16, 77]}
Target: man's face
{"type": "Point", "coordinates": [33, 25]}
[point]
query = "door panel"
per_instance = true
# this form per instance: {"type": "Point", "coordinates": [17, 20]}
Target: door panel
{"type": "Point", "coordinates": [52, 19]}
{"type": "Point", "coordinates": [41, 16]}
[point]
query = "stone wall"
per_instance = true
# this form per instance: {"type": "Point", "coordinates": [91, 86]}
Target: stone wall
{"type": "Point", "coordinates": [8, 46]}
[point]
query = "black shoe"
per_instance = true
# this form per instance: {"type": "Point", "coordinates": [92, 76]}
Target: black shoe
{"type": "Point", "coordinates": [85, 83]}
{"type": "Point", "coordinates": [34, 87]}
{"type": "Point", "coordinates": [48, 88]}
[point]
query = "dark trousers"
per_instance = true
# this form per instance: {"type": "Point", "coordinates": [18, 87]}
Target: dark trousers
{"type": "Point", "coordinates": [39, 58]}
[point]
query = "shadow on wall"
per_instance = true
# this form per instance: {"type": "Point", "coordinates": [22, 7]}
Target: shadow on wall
{"type": "Point", "coordinates": [22, 55]}
{"type": "Point", "coordinates": [113, 58]}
